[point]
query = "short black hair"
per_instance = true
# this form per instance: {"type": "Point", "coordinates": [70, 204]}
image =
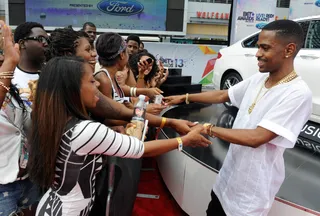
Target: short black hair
{"type": "Point", "coordinates": [288, 30]}
{"type": "Point", "coordinates": [25, 29]}
{"type": "Point", "coordinates": [88, 24]}
{"type": "Point", "coordinates": [108, 46]}
{"type": "Point", "coordinates": [63, 41]}
{"type": "Point", "coordinates": [135, 38]}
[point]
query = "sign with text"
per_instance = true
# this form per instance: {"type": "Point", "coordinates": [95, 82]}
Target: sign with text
{"type": "Point", "coordinates": [249, 16]}
{"type": "Point", "coordinates": [195, 60]}
{"type": "Point", "coordinates": [212, 15]}
{"type": "Point", "coordinates": [304, 8]}
{"type": "Point", "coordinates": [106, 14]}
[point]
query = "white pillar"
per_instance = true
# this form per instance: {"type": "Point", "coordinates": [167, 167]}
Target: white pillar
{"type": "Point", "coordinates": [6, 11]}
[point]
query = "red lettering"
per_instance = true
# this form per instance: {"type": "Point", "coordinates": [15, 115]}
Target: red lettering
{"type": "Point", "coordinates": [215, 15]}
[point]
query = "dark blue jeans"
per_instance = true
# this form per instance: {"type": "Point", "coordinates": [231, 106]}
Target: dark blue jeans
{"type": "Point", "coordinates": [17, 196]}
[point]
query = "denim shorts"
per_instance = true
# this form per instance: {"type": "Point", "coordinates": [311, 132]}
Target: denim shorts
{"type": "Point", "coordinates": [17, 196]}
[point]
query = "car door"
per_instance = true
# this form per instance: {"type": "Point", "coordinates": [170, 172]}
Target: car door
{"type": "Point", "coordinates": [249, 55]}
{"type": "Point", "coordinates": [307, 63]}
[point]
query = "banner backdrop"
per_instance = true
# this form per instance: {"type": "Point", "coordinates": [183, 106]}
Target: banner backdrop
{"type": "Point", "coordinates": [248, 16]}
{"type": "Point", "coordinates": [108, 14]}
{"type": "Point", "coordinates": [303, 8]}
{"type": "Point", "coordinates": [195, 60]}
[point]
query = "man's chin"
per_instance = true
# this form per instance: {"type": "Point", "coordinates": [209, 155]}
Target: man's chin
{"type": "Point", "coordinates": [263, 70]}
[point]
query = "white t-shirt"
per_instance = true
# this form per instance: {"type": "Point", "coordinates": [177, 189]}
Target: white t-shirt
{"type": "Point", "coordinates": [250, 177]}
{"type": "Point", "coordinates": [21, 80]}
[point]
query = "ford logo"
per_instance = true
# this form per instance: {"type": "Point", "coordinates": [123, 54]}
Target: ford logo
{"type": "Point", "coordinates": [317, 3]}
{"type": "Point", "coordinates": [260, 25]}
{"type": "Point", "coordinates": [120, 8]}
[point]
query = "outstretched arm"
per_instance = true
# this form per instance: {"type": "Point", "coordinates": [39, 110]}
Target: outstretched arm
{"type": "Point", "coordinates": [209, 97]}
{"type": "Point", "coordinates": [245, 137]}
{"type": "Point", "coordinates": [109, 109]}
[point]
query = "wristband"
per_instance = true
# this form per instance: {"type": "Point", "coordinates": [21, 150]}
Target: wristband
{"type": "Point", "coordinates": [180, 143]}
{"type": "Point", "coordinates": [163, 122]}
{"type": "Point", "coordinates": [134, 92]}
{"type": "Point", "coordinates": [6, 77]}
{"type": "Point", "coordinates": [187, 98]}
{"type": "Point", "coordinates": [131, 91]}
{"type": "Point", "coordinates": [208, 128]}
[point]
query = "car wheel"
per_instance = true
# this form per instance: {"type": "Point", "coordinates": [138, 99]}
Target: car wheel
{"type": "Point", "coordinates": [229, 80]}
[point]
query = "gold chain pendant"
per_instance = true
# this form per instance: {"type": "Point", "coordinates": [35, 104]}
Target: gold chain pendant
{"type": "Point", "coordinates": [251, 108]}
{"type": "Point", "coordinates": [286, 79]}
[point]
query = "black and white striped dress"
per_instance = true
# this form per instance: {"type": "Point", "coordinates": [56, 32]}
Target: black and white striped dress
{"type": "Point", "coordinates": [78, 161]}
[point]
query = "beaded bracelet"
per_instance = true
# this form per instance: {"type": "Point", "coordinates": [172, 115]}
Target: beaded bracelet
{"type": "Point", "coordinates": [7, 73]}
{"type": "Point", "coordinates": [6, 77]}
{"type": "Point", "coordinates": [4, 86]}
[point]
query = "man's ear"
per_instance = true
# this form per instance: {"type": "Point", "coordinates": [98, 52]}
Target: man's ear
{"type": "Point", "coordinates": [21, 44]}
{"type": "Point", "coordinates": [290, 50]}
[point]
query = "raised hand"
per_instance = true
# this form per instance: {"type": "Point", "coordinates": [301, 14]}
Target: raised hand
{"type": "Point", "coordinates": [11, 50]}
{"type": "Point", "coordinates": [164, 77]}
{"type": "Point", "coordinates": [144, 67]}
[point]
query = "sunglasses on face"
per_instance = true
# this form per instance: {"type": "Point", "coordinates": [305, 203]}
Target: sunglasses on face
{"type": "Point", "coordinates": [40, 39]}
{"type": "Point", "coordinates": [91, 32]}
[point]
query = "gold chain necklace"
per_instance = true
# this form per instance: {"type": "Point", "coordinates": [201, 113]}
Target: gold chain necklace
{"type": "Point", "coordinates": [286, 79]}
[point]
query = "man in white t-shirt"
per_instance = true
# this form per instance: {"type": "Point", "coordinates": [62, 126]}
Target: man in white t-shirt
{"type": "Point", "coordinates": [273, 107]}
{"type": "Point", "coordinates": [33, 42]}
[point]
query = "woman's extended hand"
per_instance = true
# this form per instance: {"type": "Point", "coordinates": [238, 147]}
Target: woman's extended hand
{"type": "Point", "coordinates": [155, 109]}
{"type": "Point", "coordinates": [152, 92]}
{"type": "Point", "coordinates": [195, 139]}
{"type": "Point", "coordinates": [173, 100]}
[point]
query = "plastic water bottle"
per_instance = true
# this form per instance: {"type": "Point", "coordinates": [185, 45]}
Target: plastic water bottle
{"type": "Point", "coordinates": [138, 118]}
{"type": "Point", "coordinates": [140, 109]}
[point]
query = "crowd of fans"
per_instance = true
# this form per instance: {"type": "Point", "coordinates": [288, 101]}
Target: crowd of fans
{"type": "Point", "coordinates": [63, 113]}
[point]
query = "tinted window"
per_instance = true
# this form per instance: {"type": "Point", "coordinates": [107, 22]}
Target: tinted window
{"type": "Point", "coordinates": [251, 42]}
{"type": "Point", "coordinates": [305, 27]}
{"type": "Point", "coordinates": [313, 37]}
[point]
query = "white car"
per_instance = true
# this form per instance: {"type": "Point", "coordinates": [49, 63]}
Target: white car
{"type": "Point", "coordinates": [238, 62]}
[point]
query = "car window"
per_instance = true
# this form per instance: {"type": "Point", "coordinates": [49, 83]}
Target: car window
{"type": "Point", "coordinates": [305, 27]}
{"type": "Point", "coordinates": [251, 42]}
{"type": "Point", "coordinates": [313, 36]}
